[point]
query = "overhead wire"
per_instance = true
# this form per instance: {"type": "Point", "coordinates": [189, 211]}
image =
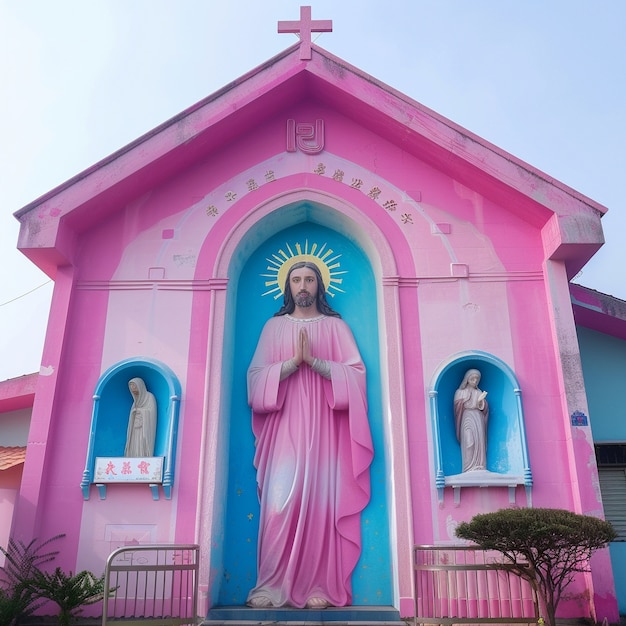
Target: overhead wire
{"type": "Point", "coordinates": [27, 293]}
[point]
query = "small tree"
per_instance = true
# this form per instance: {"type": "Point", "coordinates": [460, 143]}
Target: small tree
{"type": "Point", "coordinates": [547, 547]}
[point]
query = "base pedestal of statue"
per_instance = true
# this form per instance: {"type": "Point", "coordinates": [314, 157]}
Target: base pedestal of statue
{"type": "Point", "coordinates": [485, 478]}
{"type": "Point", "coordinates": [234, 615]}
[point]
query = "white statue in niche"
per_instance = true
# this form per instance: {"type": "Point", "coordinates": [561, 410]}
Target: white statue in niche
{"type": "Point", "coordinates": [471, 413]}
{"type": "Point", "coordinates": [142, 421]}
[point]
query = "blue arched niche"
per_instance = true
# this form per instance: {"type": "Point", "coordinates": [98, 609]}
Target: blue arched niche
{"type": "Point", "coordinates": [109, 420]}
{"type": "Point", "coordinates": [507, 451]}
{"type": "Point", "coordinates": [234, 559]}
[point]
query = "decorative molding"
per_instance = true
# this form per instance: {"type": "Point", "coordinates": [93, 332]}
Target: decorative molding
{"type": "Point", "coordinates": [211, 284]}
{"type": "Point", "coordinates": [304, 136]}
{"type": "Point", "coordinates": [400, 281]}
{"type": "Point", "coordinates": [220, 284]}
{"type": "Point", "coordinates": [441, 229]}
{"type": "Point", "coordinates": [459, 270]}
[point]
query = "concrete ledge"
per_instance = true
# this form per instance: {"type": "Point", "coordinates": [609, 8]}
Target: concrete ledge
{"type": "Point", "coordinates": [232, 616]}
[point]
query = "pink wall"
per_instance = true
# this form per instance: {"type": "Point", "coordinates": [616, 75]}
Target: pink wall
{"type": "Point", "coordinates": [149, 278]}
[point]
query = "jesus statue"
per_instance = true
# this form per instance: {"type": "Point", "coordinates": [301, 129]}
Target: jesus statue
{"type": "Point", "coordinates": [306, 387]}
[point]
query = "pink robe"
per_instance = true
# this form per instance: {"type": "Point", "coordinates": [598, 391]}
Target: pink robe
{"type": "Point", "coordinates": [313, 452]}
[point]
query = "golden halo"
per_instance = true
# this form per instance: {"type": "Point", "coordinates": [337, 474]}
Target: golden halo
{"type": "Point", "coordinates": [281, 261]}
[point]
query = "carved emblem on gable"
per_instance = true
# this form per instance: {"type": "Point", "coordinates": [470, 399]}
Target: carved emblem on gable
{"type": "Point", "coordinates": [304, 136]}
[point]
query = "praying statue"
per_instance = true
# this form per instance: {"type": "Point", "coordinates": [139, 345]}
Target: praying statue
{"type": "Point", "coordinates": [471, 412]}
{"type": "Point", "coordinates": [306, 387]}
{"type": "Point", "coordinates": [142, 421]}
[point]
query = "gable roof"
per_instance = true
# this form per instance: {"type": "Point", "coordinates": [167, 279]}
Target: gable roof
{"type": "Point", "coordinates": [18, 393]}
{"type": "Point", "coordinates": [49, 224]}
{"type": "Point", "coordinates": [598, 311]}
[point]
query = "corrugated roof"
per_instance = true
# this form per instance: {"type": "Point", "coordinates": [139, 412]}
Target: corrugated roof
{"type": "Point", "coordinates": [11, 456]}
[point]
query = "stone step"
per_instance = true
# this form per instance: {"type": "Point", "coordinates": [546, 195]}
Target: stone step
{"type": "Point", "coordinates": [337, 616]}
{"type": "Point", "coordinates": [209, 622]}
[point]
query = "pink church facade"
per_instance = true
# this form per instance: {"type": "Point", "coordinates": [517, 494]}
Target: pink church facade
{"type": "Point", "coordinates": [443, 252]}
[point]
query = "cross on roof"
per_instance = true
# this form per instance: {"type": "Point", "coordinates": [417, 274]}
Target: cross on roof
{"type": "Point", "coordinates": [304, 27]}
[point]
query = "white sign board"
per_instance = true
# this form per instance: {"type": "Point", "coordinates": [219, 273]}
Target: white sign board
{"type": "Point", "coordinates": [122, 469]}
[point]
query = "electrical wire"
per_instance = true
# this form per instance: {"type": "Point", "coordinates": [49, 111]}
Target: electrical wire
{"type": "Point", "coordinates": [27, 293]}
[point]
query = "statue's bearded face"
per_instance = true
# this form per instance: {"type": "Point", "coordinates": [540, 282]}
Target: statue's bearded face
{"type": "Point", "coordinates": [303, 285]}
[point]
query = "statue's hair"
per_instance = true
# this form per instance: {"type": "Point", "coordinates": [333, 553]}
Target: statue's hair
{"type": "Point", "coordinates": [289, 304]}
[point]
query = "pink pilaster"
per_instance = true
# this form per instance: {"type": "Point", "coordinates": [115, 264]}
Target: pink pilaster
{"type": "Point", "coordinates": [38, 452]}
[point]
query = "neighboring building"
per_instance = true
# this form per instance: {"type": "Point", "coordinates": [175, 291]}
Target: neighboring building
{"type": "Point", "coordinates": [16, 404]}
{"type": "Point", "coordinates": [601, 328]}
{"type": "Point", "coordinates": [442, 252]}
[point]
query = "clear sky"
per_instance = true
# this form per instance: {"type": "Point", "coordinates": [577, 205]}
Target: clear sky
{"type": "Point", "coordinates": [543, 79]}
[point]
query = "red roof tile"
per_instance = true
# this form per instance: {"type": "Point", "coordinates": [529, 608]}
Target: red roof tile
{"type": "Point", "coordinates": [11, 456]}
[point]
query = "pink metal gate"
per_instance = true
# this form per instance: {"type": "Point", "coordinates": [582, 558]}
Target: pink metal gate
{"type": "Point", "coordinates": [467, 585]}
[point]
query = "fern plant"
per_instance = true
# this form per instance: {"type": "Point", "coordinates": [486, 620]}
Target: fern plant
{"type": "Point", "coordinates": [17, 597]}
{"type": "Point", "coordinates": [70, 592]}
{"type": "Point", "coordinates": [13, 606]}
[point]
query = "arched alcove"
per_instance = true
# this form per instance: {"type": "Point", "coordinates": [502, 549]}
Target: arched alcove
{"type": "Point", "coordinates": [244, 228]}
{"type": "Point", "coordinates": [319, 230]}
{"type": "Point", "coordinates": [507, 452]}
{"type": "Point", "coordinates": [109, 421]}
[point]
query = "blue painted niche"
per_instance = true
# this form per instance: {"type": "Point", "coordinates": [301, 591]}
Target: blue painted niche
{"type": "Point", "coordinates": [507, 450]}
{"type": "Point", "coordinates": [109, 419]}
{"type": "Point", "coordinates": [236, 564]}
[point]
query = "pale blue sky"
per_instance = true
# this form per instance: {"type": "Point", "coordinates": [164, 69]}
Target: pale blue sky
{"type": "Point", "coordinates": [543, 79]}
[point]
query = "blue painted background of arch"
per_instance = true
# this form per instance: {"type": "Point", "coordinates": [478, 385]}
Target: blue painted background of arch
{"type": "Point", "coordinates": [506, 437]}
{"type": "Point", "coordinates": [111, 407]}
{"type": "Point", "coordinates": [372, 582]}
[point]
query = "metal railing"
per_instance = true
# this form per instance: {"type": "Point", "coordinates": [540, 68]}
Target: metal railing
{"type": "Point", "coordinates": [467, 585]}
{"type": "Point", "coordinates": [152, 585]}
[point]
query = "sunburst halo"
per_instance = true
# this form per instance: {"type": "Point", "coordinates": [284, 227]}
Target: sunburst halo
{"type": "Point", "coordinates": [281, 261]}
